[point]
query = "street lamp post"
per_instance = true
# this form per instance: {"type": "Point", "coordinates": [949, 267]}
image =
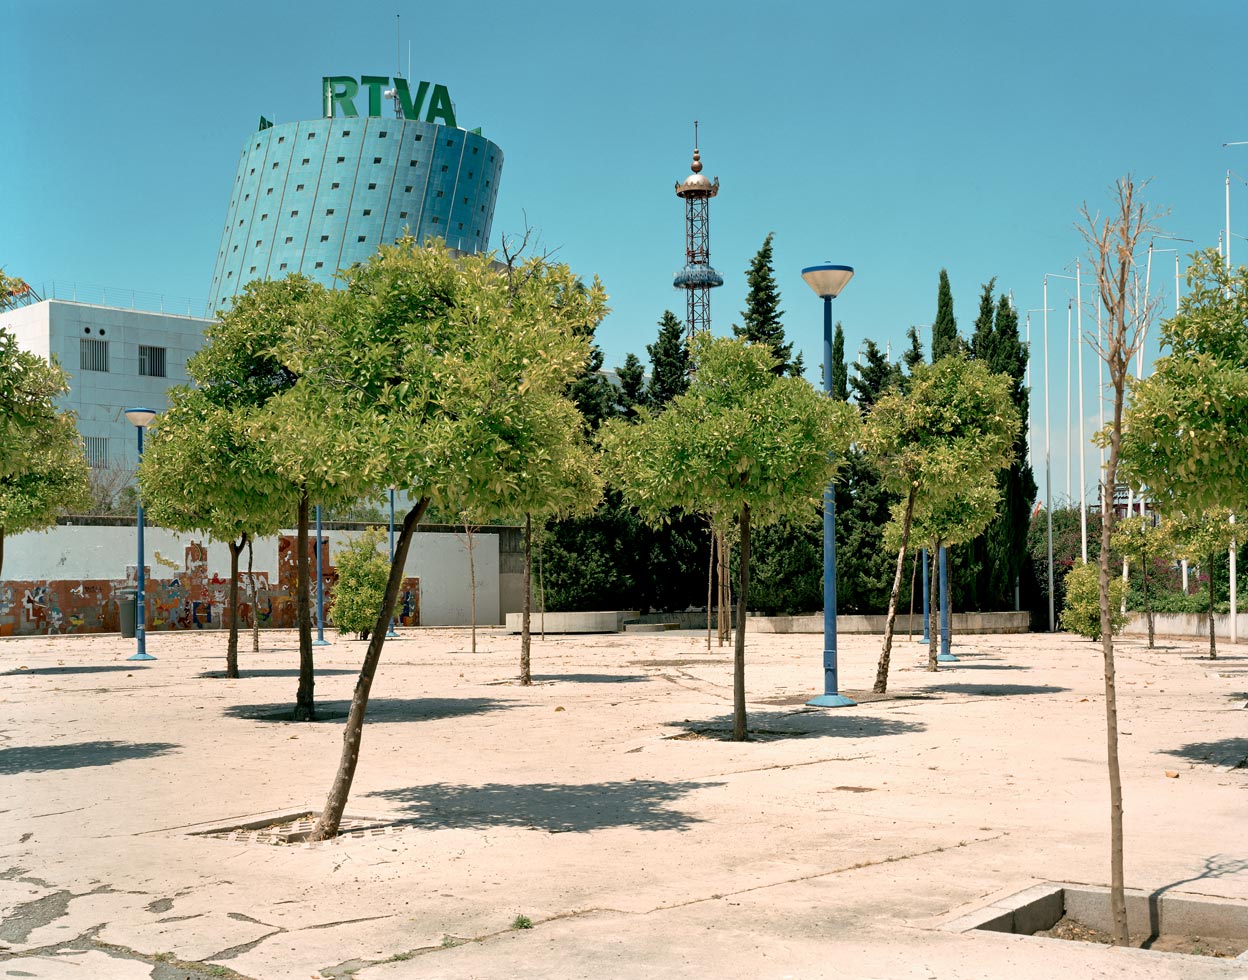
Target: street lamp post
{"type": "Point", "coordinates": [320, 640]}
{"type": "Point", "coordinates": [141, 418]}
{"type": "Point", "coordinates": [390, 631]}
{"type": "Point", "coordinates": [827, 281]}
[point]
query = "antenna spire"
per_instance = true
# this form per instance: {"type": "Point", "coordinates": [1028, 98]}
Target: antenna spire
{"type": "Point", "coordinates": [398, 46]}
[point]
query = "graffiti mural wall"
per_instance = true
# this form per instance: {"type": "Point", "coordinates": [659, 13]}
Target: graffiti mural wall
{"type": "Point", "coordinates": [179, 596]}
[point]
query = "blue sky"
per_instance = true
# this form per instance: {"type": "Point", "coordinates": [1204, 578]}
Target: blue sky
{"type": "Point", "coordinates": [899, 138]}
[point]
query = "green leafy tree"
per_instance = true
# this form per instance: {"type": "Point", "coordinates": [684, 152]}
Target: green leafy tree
{"type": "Point", "coordinates": [955, 423]}
{"type": "Point", "coordinates": [452, 375]}
{"type": "Point", "coordinates": [632, 375]}
{"type": "Point", "coordinates": [53, 479]}
{"type": "Point", "coordinates": [1202, 537]}
{"type": "Point", "coordinates": [761, 318]}
{"type": "Point", "coordinates": [13, 291]}
{"type": "Point", "coordinates": [363, 568]}
{"type": "Point", "coordinates": [29, 387]}
{"type": "Point", "coordinates": [1138, 539]}
{"type": "Point", "coordinates": [203, 470]}
{"type": "Point", "coordinates": [945, 340]}
{"type": "Point", "coordinates": [669, 363]}
{"type": "Point", "coordinates": [240, 370]}
{"type": "Point", "coordinates": [744, 445]}
{"type": "Point", "coordinates": [1082, 611]}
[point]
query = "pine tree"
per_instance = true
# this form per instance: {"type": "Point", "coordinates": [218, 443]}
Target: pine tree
{"type": "Point", "coordinates": [945, 328]}
{"type": "Point", "coordinates": [874, 376]}
{"type": "Point", "coordinates": [840, 374]}
{"type": "Point", "coordinates": [913, 357]}
{"type": "Point", "coordinates": [762, 313]}
{"type": "Point", "coordinates": [669, 362]}
{"type": "Point", "coordinates": [632, 375]}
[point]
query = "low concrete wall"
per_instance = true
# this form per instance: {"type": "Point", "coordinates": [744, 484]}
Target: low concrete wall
{"type": "Point", "coordinates": [1195, 625]}
{"type": "Point", "coordinates": [608, 621]}
{"type": "Point", "coordinates": [963, 623]}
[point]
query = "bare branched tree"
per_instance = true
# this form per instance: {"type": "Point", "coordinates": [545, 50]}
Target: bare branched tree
{"type": "Point", "coordinates": [1112, 242]}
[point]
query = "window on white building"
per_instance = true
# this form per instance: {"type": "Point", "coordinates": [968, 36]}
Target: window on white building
{"type": "Point", "coordinates": [151, 361]}
{"type": "Point", "coordinates": [92, 355]}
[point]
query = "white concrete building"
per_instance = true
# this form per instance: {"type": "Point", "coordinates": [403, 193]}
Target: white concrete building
{"type": "Point", "coordinates": [116, 359]}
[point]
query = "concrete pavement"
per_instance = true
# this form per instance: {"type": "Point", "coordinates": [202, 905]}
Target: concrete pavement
{"type": "Point", "coordinates": [602, 805]}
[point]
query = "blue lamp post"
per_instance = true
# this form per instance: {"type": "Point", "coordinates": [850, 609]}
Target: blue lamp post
{"type": "Point", "coordinates": [141, 419]}
{"type": "Point", "coordinates": [827, 281]}
{"type": "Point", "coordinates": [391, 631]}
{"type": "Point", "coordinates": [320, 640]}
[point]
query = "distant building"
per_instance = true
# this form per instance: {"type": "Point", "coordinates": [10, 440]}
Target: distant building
{"type": "Point", "coordinates": [115, 358]}
{"type": "Point", "coordinates": [318, 196]}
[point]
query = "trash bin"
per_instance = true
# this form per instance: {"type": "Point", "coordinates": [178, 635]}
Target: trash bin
{"type": "Point", "coordinates": [127, 609]}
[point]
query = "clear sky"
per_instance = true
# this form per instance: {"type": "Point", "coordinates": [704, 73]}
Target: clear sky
{"type": "Point", "coordinates": [897, 137]}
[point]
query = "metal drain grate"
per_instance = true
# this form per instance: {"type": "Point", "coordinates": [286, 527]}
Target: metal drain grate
{"type": "Point", "coordinates": [294, 829]}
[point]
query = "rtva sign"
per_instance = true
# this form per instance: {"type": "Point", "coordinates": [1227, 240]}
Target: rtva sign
{"type": "Point", "coordinates": [339, 93]}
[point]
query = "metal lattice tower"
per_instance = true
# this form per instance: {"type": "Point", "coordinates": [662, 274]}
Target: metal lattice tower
{"type": "Point", "coordinates": [697, 278]}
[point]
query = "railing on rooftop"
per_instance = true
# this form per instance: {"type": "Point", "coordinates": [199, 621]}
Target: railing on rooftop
{"type": "Point", "coordinates": [133, 299]}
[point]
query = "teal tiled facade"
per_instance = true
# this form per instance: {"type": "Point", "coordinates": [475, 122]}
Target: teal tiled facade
{"type": "Point", "coordinates": [318, 196]}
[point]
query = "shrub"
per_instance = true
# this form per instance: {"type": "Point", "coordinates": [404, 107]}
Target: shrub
{"type": "Point", "coordinates": [362, 573]}
{"type": "Point", "coordinates": [1082, 611]}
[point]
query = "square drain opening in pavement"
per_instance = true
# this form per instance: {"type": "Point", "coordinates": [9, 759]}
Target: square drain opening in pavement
{"type": "Point", "coordinates": [294, 828]}
{"type": "Point", "coordinates": [1159, 921]}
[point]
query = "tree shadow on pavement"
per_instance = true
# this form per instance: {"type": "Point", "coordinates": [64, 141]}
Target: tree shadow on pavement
{"type": "Point", "coordinates": [1231, 752]}
{"type": "Point", "coordinates": [76, 755]}
{"type": "Point", "coordinates": [593, 678]}
{"type": "Point", "coordinates": [245, 674]}
{"type": "Point", "coordinates": [380, 710]}
{"type": "Point", "coordinates": [995, 690]}
{"type": "Point", "coordinates": [77, 669]}
{"type": "Point", "coordinates": [769, 725]}
{"type": "Point", "coordinates": [972, 665]}
{"type": "Point", "coordinates": [554, 807]}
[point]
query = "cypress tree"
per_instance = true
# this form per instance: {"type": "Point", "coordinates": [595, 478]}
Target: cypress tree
{"type": "Point", "coordinates": [762, 313]}
{"type": "Point", "coordinates": [840, 374]}
{"type": "Point", "coordinates": [945, 327]}
{"type": "Point", "coordinates": [669, 362]}
{"type": "Point", "coordinates": [632, 375]}
{"type": "Point", "coordinates": [982, 341]}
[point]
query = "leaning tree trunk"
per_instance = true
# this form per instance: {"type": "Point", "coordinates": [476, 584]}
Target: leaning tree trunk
{"type": "Point", "coordinates": [526, 637]}
{"type": "Point", "coordinates": [231, 647]}
{"type": "Point", "coordinates": [881, 670]}
{"type": "Point", "coordinates": [1117, 893]}
{"type": "Point", "coordinates": [739, 732]}
{"type": "Point", "coordinates": [255, 599]}
{"type": "Point", "coordinates": [305, 705]}
{"type": "Point", "coordinates": [1213, 638]}
{"type": "Point", "coordinates": [336, 802]}
{"type": "Point", "coordinates": [933, 632]}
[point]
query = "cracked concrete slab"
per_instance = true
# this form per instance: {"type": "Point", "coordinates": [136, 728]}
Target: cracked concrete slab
{"type": "Point", "coordinates": [77, 964]}
{"type": "Point", "coordinates": [826, 849]}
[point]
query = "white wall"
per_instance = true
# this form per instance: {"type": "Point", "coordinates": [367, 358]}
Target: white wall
{"type": "Point", "coordinates": [439, 559]}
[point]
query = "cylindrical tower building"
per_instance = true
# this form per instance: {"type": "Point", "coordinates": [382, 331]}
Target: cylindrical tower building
{"type": "Point", "coordinates": [318, 196]}
{"type": "Point", "coordinates": [697, 278]}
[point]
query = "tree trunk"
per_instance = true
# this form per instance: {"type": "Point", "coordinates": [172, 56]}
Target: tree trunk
{"type": "Point", "coordinates": [305, 706]}
{"type": "Point", "coordinates": [710, 589]}
{"type": "Point", "coordinates": [472, 585]}
{"type": "Point", "coordinates": [881, 670]}
{"type": "Point", "coordinates": [1148, 606]}
{"type": "Point", "coordinates": [725, 589]}
{"type": "Point", "coordinates": [933, 634]}
{"type": "Point", "coordinates": [336, 802]}
{"type": "Point", "coordinates": [1213, 639]}
{"type": "Point", "coordinates": [231, 646]}
{"type": "Point", "coordinates": [255, 599]}
{"type": "Point", "coordinates": [739, 732]}
{"type": "Point", "coordinates": [526, 677]}
{"type": "Point", "coordinates": [1117, 894]}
